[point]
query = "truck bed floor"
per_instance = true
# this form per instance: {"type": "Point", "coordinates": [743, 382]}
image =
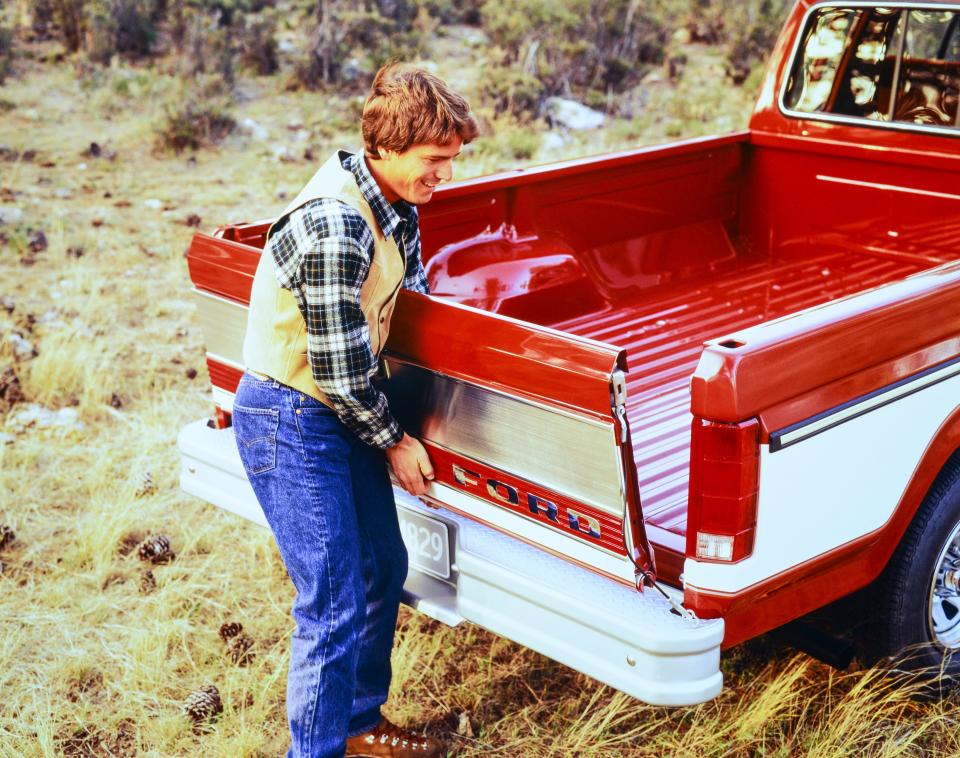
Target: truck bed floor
{"type": "Point", "coordinates": [664, 332]}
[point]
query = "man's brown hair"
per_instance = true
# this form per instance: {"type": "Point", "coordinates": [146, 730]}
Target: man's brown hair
{"type": "Point", "coordinates": [409, 106]}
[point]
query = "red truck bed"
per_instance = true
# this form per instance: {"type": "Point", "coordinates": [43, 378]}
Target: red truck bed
{"type": "Point", "coordinates": [664, 336]}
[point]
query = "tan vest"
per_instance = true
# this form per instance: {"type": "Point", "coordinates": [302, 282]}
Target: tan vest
{"type": "Point", "coordinates": [276, 340]}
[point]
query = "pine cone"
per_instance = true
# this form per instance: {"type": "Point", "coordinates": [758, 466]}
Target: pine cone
{"type": "Point", "coordinates": [147, 486]}
{"type": "Point", "coordinates": [129, 542]}
{"type": "Point", "coordinates": [239, 649]}
{"type": "Point", "coordinates": [203, 704]}
{"type": "Point", "coordinates": [230, 629]}
{"type": "Point", "coordinates": [6, 536]}
{"type": "Point", "coordinates": [148, 582]}
{"type": "Point", "coordinates": [156, 549]}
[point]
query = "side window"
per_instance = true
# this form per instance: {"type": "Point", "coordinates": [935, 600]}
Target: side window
{"type": "Point", "coordinates": [825, 43]}
{"type": "Point", "coordinates": [882, 64]}
{"type": "Point", "coordinates": [929, 77]}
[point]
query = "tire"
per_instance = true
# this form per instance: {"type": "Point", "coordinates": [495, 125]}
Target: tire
{"type": "Point", "coordinates": [918, 595]}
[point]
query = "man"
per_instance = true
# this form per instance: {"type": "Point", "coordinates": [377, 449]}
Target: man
{"type": "Point", "coordinates": [315, 435]}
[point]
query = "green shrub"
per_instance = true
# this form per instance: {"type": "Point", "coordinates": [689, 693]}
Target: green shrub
{"type": "Point", "coordinates": [343, 29]}
{"type": "Point", "coordinates": [123, 27]}
{"type": "Point", "coordinates": [69, 18]}
{"type": "Point", "coordinates": [42, 18]}
{"type": "Point", "coordinates": [508, 90]}
{"type": "Point", "coordinates": [196, 123]}
{"type": "Point", "coordinates": [6, 53]}
{"type": "Point", "coordinates": [258, 44]}
{"type": "Point", "coordinates": [208, 48]}
{"type": "Point", "coordinates": [755, 25]}
{"type": "Point", "coordinates": [576, 46]}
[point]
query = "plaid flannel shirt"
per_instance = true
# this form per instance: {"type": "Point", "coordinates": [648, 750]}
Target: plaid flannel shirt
{"type": "Point", "coordinates": [322, 255]}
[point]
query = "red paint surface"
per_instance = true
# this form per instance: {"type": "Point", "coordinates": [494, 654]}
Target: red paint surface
{"type": "Point", "coordinates": [656, 251]}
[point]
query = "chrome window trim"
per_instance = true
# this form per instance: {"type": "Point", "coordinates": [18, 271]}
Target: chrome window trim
{"type": "Point", "coordinates": [902, 126]}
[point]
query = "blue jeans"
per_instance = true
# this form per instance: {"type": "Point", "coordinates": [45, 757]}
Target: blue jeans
{"type": "Point", "coordinates": [329, 502]}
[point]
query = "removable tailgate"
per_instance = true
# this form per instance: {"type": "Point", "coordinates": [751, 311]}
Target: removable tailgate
{"type": "Point", "coordinates": [525, 425]}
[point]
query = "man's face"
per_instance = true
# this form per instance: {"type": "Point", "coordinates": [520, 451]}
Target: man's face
{"type": "Point", "coordinates": [413, 174]}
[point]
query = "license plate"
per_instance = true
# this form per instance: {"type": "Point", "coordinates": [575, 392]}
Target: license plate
{"type": "Point", "coordinates": [427, 541]}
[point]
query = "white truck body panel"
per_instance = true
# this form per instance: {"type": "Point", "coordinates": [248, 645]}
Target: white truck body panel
{"type": "Point", "coordinates": [855, 475]}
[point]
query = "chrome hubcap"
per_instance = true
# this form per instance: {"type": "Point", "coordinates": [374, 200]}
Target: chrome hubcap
{"type": "Point", "coordinates": [943, 617]}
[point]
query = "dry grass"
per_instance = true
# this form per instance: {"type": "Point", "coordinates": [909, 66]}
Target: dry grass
{"type": "Point", "coordinates": [92, 665]}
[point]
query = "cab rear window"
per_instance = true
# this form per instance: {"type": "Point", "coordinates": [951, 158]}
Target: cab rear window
{"type": "Point", "coordinates": [899, 66]}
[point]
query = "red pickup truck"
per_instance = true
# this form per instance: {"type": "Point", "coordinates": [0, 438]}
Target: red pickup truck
{"type": "Point", "coordinates": [681, 395]}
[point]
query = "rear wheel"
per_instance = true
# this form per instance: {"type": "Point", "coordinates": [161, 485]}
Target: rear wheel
{"type": "Point", "coordinates": [919, 593]}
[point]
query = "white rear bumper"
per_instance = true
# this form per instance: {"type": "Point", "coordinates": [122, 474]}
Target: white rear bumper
{"type": "Point", "coordinates": [629, 640]}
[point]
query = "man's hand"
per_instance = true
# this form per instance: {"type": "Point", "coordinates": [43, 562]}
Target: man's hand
{"type": "Point", "coordinates": [411, 465]}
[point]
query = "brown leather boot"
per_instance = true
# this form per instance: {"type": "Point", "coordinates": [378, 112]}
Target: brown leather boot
{"type": "Point", "coordinates": [388, 740]}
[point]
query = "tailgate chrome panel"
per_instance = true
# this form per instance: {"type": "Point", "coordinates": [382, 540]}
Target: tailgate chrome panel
{"type": "Point", "coordinates": [577, 456]}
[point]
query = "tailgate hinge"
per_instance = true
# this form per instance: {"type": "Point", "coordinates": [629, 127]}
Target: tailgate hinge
{"type": "Point", "coordinates": [618, 392]}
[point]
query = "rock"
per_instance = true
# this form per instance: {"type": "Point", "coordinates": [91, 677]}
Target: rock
{"type": "Point", "coordinates": [34, 415]}
{"type": "Point", "coordinates": [571, 114]}
{"type": "Point", "coordinates": [94, 151]}
{"type": "Point", "coordinates": [464, 727]}
{"type": "Point", "coordinates": [8, 303]}
{"type": "Point", "coordinates": [153, 204]}
{"type": "Point", "coordinates": [193, 220]}
{"type": "Point", "coordinates": [116, 401]}
{"type": "Point", "coordinates": [352, 70]}
{"type": "Point", "coordinates": [10, 215]}
{"type": "Point", "coordinates": [255, 130]}
{"type": "Point", "coordinates": [282, 153]}
{"type": "Point", "coordinates": [475, 38]}
{"type": "Point", "coordinates": [23, 349]}
{"type": "Point", "coordinates": [75, 251]}
{"type": "Point", "coordinates": [553, 141]}
{"type": "Point", "coordinates": [7, 439]}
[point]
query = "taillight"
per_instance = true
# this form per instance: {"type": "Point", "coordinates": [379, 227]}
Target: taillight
{"type": "Point", "coordinates": [724, 480]}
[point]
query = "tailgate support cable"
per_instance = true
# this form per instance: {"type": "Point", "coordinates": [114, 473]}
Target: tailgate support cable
{"type": "Point", "coordinates": [644, 577]}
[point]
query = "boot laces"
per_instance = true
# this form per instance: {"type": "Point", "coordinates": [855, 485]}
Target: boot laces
{"type": "Point", "coordinates": [393, 735]}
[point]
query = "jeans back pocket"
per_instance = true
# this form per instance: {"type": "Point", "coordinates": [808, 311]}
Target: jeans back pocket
{"type": "Point", "coordinates": [255, 430]}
